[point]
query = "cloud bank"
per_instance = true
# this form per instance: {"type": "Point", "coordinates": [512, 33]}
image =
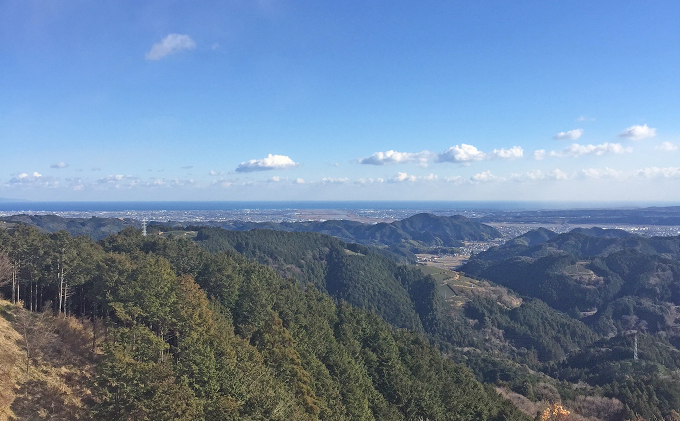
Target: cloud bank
{"type": "Point", "coordinates": [462, 153]}
{"type": "Point", "coordinates": [576, 150]}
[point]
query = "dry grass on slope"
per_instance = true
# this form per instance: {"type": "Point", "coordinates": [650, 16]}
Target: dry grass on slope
{"type": "Point", "coordinates": [50, 381]}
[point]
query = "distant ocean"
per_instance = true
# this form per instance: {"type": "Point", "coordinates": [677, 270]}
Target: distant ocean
{"type": "Point", "coordinates": [28, 207]}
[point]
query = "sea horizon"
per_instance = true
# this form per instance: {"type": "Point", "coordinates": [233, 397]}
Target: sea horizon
{"type": "Point", "coordinates": [435, 205]}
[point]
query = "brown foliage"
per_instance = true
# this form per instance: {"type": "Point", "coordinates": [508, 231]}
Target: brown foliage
{"type": "Point", "coordinates": [56, 385]}
{"type": "Point", "coordinates": [607, 409]}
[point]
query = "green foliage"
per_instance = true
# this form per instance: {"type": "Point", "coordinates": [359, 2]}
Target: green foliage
{"type": "Point", "coordinates": [617, 283]}
{"type": "Point", "coordinates": [546, 335]}
{"type": "Point", "coordinates": [261, 347]}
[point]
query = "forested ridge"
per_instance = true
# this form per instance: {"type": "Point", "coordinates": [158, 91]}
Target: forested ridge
{"type": "Point", "coordinates": [401, 294]}
{"type": "Point", "coordinates": [626, 288]}
{"type": "Point", "coordinates": [420, 230]}
{"type": "Point", "coordinates": [514, 347]}
{"type": "Point", "coordinates": [188, 334]}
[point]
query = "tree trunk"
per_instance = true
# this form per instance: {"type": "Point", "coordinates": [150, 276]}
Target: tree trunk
{"type": "Point", "coordinates": [14, 284]}
{"type": "Point", "coordinates": [94, 333]}
{"type": "Point", "coordinates": [61, 288]}
{"type": "Point", "coordinates": [65, 295]}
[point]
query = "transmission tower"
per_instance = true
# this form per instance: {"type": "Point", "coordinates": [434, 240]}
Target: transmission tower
{"type": "Point", "coordinates": [144, 227]}
{"type": "Point", "coordinates": [635, 354]}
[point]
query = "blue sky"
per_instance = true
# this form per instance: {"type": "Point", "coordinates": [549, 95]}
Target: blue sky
{"type": "Point", "coordinates": [353, 100]}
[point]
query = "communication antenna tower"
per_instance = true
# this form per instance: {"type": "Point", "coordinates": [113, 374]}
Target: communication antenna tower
{"type": "Point", "coordinates": [144, 229]}
{"type": "Point", "coordinates": [635, 354]}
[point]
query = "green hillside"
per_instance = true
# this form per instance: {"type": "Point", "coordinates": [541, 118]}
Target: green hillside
{"type": "Point", "coordinates": [196, 335]}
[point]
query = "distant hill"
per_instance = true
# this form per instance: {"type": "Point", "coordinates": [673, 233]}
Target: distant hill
{"type": "Point", "coordinates": [532, 238]}
{"type": "Point", "coordinates": [577, 272]}
{"type": "Point", "coordinates": [96, 228]}
{"type": "Point", "coordinates": [421, 230]}
{"type": "Point", "coordinates": [625, 287]}
{"type": "Point", "coordinates": [603, 233]}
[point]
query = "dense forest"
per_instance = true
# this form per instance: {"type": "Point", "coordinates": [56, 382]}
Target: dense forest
{"type": "Point", "coordinates": [190, 334]}
{"type": "Point", "coordinates": [270, 324]}
{"type": "Point", "coordinates": [625, 288]}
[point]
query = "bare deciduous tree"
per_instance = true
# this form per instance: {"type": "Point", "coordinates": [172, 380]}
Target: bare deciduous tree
{"type": "Point", "coordinates": [37, 330]}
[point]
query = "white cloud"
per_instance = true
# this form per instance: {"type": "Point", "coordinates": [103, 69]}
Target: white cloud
{"type": "Point", "coordinates": [462, 153]}
{"type": "Point", "coordinates": [538, 175]}
{"type": "Point", "coordinates": [483, 177]}
{"type": "Point", "coordinates": [656, 172]}
{"type": "Point", "coordinates": [331, 180]}
{"type": "Point", "coordinates": [539, 154]}
{"type": "Point", "coordinates": [638, 132]}
{"type": "Point", "coordinates": [275, 179]}
{"type": "Point", "coordinates": [119, 181]}
{"type": "Point", "coordinates": [59, 165]}
{"type": "Point", "coordinates": [394, 157]}
{"type": "Point", "coordinates": [596, 173]}
{"type": "Point", "coordinates": [570, 135]}
{"type": "Point", "coordinates": [163, 182]}
{"type": "Point", "coordinates": [512, 153]}
{"type": "Point", "coordinates": [402, 176]}
{"type": "Point", "coordinates": [171, 44]}
{"type": "Point", "coordinates": [31, 180]}
{"type": "Point", "coordinates": [558, 174]}
{"type": "Point", "coordinates": [370, 180]}
{"type": "Point", "coordinates": [299, 181]}
{"type": "Point", "coordinates": [111, 178]}
{"type": "Point", "coordinates": [454, 179]}
{"type": "Point", "coordinates": [271, 162]}
{"type": "Point", "coordinates": [585, 118]}
{"type": "Point", "coordinates": [467, 153]}
{"type": "Point", "coordinates": [576, 150]}
{"type": "Point", "coordinates": [214, 173]}
{"type": "Point", "coordinates": [667, 147]}
{"type": "Point", "coordinates": [25, 177]}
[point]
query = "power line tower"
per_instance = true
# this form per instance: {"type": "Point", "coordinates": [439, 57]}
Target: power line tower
{"type": "Point", "coordinates": [635, 348]}
{"type": "Point", "coordinates": [144, 227]}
